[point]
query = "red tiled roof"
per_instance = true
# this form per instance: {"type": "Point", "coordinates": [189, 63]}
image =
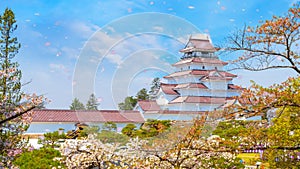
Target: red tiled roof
{"type": "Point", "coordinates": [199, 99]}
{"type": "Point", "coordinates": [148, 105]}
{"type": "Point", "coordinates": [199, 45]}
{"type": "Point", "coordinates": [187, 72]}
{"type": "Point", "coordinates": [51, 115]}
{"type": "Point", "coordinates": [234, 87]}
{"type": "Point", "coordinates": [169, 88]}
{"type": "Point", "coordinates": [200, 72]}
{"type": "Point", "coordinates": [200, 60]}
{"type": "Point", "coordinates": [198, 85]}
{"type": "Point", "coordinates": [191, 85]}
{"type": "Point", "coordinates": [226, 74]}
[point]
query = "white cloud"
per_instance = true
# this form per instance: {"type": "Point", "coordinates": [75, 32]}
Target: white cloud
{"type": "Point", "coordinates": [158, 28]}
{"type": "Point", "coordinates": [114, 58]}
{"type": "Point", "coordinates": [83, 29]}
{"type": "Point", "coordinates": [59, 68]}
{"type": "Point", "coordinates": [70, 52]}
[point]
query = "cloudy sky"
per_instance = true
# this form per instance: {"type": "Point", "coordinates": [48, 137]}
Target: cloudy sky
{"type": "Point", "coordinates": [113, 48]}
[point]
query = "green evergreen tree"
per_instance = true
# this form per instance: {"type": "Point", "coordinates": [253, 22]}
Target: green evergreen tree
{"type": "Point", "coordinates": [109, 126]}
{"type": "Point", "coordinates": [92, 103]}
{"type": "Point", "coordinates": [36, 159]}
{"type": "Point", "coordinates": [142, 94]}
{"type": "Point", "coordinates": [12, 124]}
{"type": "Point", "coordinates": [77, 105]}
{"type": "Point", "coordinates": [128, 104]}
{"type": "Point", "coordinates": [155, 85]}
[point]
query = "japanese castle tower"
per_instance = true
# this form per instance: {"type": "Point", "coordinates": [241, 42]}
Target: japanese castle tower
{"type": "Point", "coordinates": [199, 83]}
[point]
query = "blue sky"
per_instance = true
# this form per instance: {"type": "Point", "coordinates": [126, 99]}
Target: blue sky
{"type": "Point", "coordinates": [113, 48]}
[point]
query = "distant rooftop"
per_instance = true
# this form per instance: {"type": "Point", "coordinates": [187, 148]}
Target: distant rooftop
{"type": "Point", "coordinates": [199, 43]}
{"type": "Point", "coordinates": [96, 116]}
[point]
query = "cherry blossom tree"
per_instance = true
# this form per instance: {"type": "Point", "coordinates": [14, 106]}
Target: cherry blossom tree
{"type": "Point", "coordinates": [15, 106]}
{"type": "Point", "coordinates": [259, 100]}
{"type": "Point", "coordinates": [190, 151]}
{"type": "Point", "coordinates": [273, 44]}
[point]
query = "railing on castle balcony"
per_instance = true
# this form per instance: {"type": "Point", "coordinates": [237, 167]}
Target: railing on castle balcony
{"type": "Point", "coordinates": [198, 54]}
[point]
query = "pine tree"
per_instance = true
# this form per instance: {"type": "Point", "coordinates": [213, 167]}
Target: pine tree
{"type": "Point", "coordinates": [128, 104]}
{"type": "Point", "coordinates": [77, 105]}
{"type": "Point", "coordinates": [155, 85]}
{"type": "Point", "coordinates": [14, 104]}
{"type": "Point", "coordinates": [142, 94]}
{"type": "Point", "coordinates": [92, 103]}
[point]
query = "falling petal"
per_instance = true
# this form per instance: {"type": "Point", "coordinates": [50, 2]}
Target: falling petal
{"type": "Point", "coordinates": [47, 44]}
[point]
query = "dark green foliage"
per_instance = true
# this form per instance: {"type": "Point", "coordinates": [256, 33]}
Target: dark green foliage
{"type": "Point", "coordinates": [128, 104]}
{"type": "Point", "coordinates": [112, 137]}
{"type": "Point", "coordinates": [92, 103]}
{"type": "Point", "coordinates": [149, 129]}
{"type": "Point", "coordinates": [129, 130]}
{"type": "Point", "coordinates": [217, 161]}
{"type": "Point", "coordinates": [89, 130]}
{"type": "Point", "coordinates": [229, 129]}
{"type": "Point", "coordinates": [10, 89]}
{"type": "Point", "coordinates": [109, 126]}
{"type": "Point", "coordinates": [130, 101]}
{"type": "Point", "coordinates": [50, 139]}
{"type": "Point", "coordinates": [77, 105]}
{"type": "Point", "coordinates": [81, 131]}
{"type": "Point", "coordinates": [39, 159]}
{"type": "Point", "coordinates": [142, 94]}
{"type": "Point", "coordinates": [155, 85]}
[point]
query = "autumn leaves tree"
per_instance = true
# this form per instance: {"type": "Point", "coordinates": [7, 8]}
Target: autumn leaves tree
{"type": "Point", "coordinates": [274, 44]}
{"type": "Point", "coordinates": [14, 104]}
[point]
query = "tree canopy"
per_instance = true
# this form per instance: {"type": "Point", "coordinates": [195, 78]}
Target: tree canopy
{"type": "Point", "coordinates": [15, 106]}
{"type": "Point", "coordinates": [77, 105]}
{"type": "Point", "coordinates": [274, 44]}
{"type": "Point", "coordinates": [92, 103]}
{"type": "Point", "coordinates": [130, 101]}
{"type": "Point", "coordinates": [155, 85]}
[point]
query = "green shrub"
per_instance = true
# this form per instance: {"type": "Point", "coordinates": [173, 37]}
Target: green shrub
{"type": "Point", "coordinates": [112, 137]}
{"type": "Point", "coordinates": [37, 159]}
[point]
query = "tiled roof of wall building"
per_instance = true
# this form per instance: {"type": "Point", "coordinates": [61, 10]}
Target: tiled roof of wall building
{"type": "Point", "coordinates": [199, 45]}
{"type": "Point", "coordinates": [148, 105]}
{"type": "Point", "coordinates": [234, 87]}
{"type": "Point", "coordinates": [54, 115]}
{"type": "Point", "coordinates": [199, 99]}
{"type": "Point", "coordinates": [200, 73]}
{"type": "Point", "coordinates": [191, 85]}
{"type": "Point", "coordinates": [169, 89]}
{"type": "Point", "coordinates": [187, 72]}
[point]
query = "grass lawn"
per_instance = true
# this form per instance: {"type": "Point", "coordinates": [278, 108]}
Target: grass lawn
{"type": "Point", "coordinates": [249, 158]}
